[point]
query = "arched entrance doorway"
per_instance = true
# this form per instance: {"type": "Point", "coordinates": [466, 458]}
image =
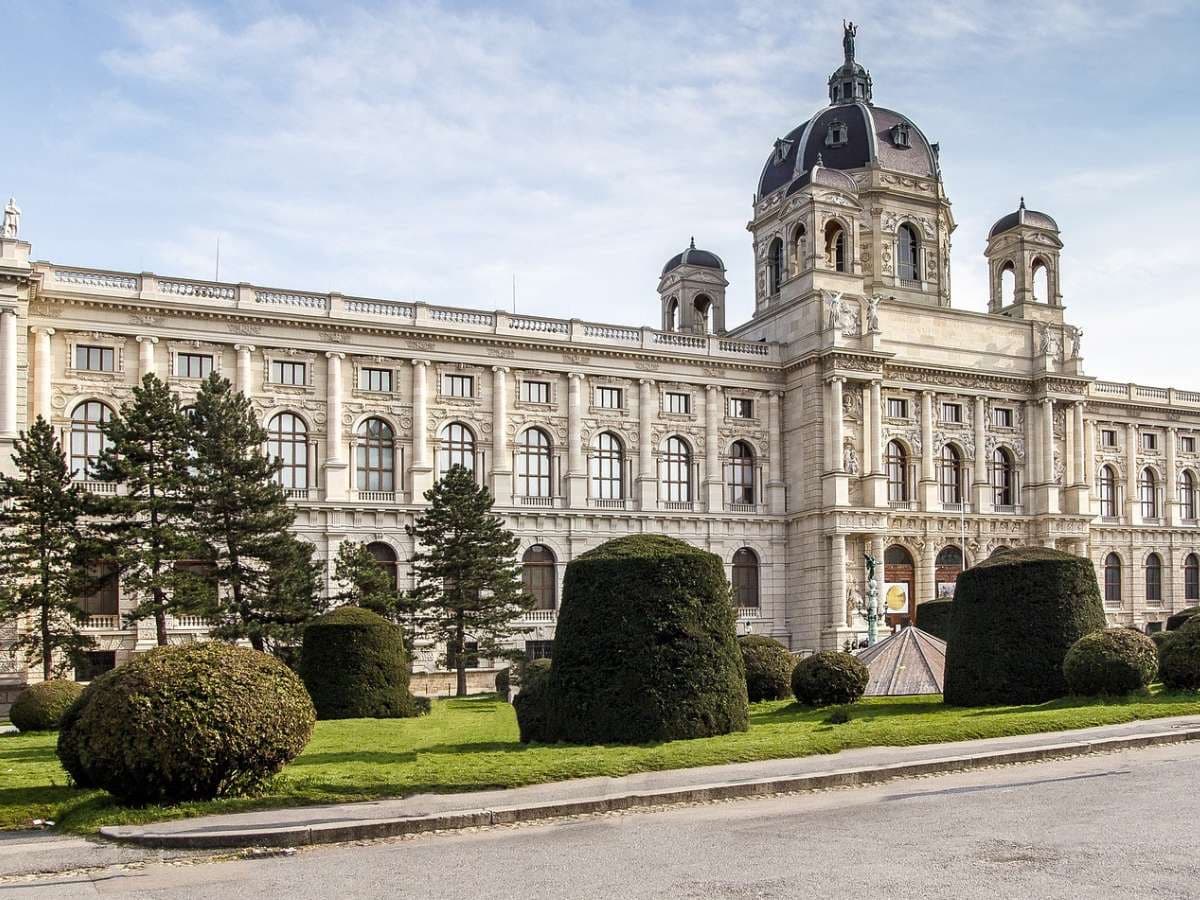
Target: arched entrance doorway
{"type": "Point", "coordinates": [900, 588]}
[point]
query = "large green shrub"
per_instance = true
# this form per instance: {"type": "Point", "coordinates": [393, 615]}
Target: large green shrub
{"type": "Point", "coordinates": [191, 722]}
{"type": "Point", "coordinates": [828, 678]}
{"type": "Point", "coordinates": [933, 617]}
{"type": "Point", "coordinates": [645, 648]}
{"type": "Point", "coordinates": [354, 665]}
{"type": "Point", "coordinates": [1175, 620]}
{"type": "Point", "coordinates": [41, 706]}
{"type": "Point", "coordinates": [1014, 617]}
{"type": "Point", "coordinates": [768, 667]}
{"type": "Point", "coordinates": [532, 702]}
{"type": "Point", "coordinates": [1114, 661]}
{"type": "Point", "coordinates": [1179, 657]}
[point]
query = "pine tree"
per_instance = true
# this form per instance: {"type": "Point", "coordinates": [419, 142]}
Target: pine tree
{"type": "Point", "coordinates": [365, 582]}
{"type": "Point", "coordinates": [468, 582]}
{"type": "Point", "coordinates": [148, 526]}
{"type": "Point", "coordinates": [242, 517]}
{"type": "Point", "coordinates": [41, 515]}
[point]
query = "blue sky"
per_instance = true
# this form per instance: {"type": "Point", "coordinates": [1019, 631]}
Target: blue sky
{"type": "Point", "coordinates": [434, 149]}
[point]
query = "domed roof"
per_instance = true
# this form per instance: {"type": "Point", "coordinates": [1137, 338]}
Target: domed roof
{"type": "Point", "coordinates": [1023, 216]}
{"type": "Point", "coordinates": [693, 257]}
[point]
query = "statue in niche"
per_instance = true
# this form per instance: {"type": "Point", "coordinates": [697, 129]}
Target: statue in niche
{"type": "Point", "coordinates": [850, 460]}
{"type": "Point", "coordinates": [873, 314]}
{"type": "Point", "coordinates": [834, 310]}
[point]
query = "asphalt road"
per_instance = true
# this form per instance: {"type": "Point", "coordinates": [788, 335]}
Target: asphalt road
{"type": "Point", "coordinates": [1117, 825]}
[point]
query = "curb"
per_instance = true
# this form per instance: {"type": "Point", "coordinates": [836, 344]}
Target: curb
{"type": "Point", "coordinates": [366, 829]}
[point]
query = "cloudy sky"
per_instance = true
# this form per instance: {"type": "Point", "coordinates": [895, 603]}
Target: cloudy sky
{"type": "Point", "coordinates": [433, 150]}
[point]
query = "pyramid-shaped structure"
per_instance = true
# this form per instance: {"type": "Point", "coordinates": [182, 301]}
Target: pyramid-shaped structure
{"type": "Point", "coordinates": [911, 661]}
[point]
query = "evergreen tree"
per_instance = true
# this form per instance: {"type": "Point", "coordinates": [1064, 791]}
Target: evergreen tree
{"type": "Point", "coordinates": [468, 582]}
{"type": "Point", "coordinates": [41, 533]}
{"type": "Point", "coordinates": [148, 525]}
{"type": "Point", "coordinates": [365, 582]}
{"type": "Point", "coordinates": [242, 517]}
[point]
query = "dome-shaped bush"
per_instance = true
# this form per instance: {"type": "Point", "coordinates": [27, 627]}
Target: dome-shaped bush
{"type": "Point", "coordinates": [768, 667]}
{"type": "Point", "coordinates": [1175, 620]}
{"type": "Point", "coordinates": [1179, 657]}
{"type": "Point", "coordinates": [504, 681]}
{"type": "Point", "coordinates": [532, 702]}
{"type": "Point", "coordinates": [1115, 661]}
{"type": "Point", "coordinates": [645, 648]}
{"type": "Point", "coordinates": [354, 665]}
{"type": "Point", "coordinates": [1159, 638]}
{"type": "Point", "coordinates": [192, 722]}
{"type": "Point", "coordinates": [829, 678]}
{"type": "Point", "coordinates": [1014, 617]}
{"type": "Point", "coordinates": [40, 707]}
{"type": "Point", "coordinates": [933, 617]}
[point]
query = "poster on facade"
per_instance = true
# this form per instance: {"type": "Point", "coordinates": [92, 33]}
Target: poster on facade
{"type": "Point", "coordinates": [895, 595]}
{"type": "Point", "coordinates": [945, 590]}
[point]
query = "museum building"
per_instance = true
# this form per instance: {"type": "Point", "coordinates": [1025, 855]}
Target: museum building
{"type": "Point", "coordinates": [856, 412]}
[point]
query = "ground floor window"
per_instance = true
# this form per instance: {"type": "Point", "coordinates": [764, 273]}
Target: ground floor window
{"type": "Point", "coordinates": [95, 663]}
{"type": "Point", "coordinates": [470, 655]}
{"type": "Point", "coordinates": [538, 649]}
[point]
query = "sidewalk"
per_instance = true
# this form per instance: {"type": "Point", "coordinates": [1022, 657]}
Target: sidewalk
{"type": "Point", "coordinates": [429, 812]}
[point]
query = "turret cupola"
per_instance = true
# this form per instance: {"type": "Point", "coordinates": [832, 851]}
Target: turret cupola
{"type": "Point", "coordinates": [1023, 252]}
{"type": "Point", "coordinates": [692, 292]}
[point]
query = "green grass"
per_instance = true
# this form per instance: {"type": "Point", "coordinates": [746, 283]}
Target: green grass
{"type": "Point", "coordinates": [472, 744]}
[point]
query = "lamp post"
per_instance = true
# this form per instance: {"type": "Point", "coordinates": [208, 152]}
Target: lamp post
{"type": "Point", "coordinates": [872, 603]}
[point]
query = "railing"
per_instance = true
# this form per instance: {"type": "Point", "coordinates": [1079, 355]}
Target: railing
{"type": "Point", "coordinates": [612, 333]}
{"type": "Point", "coordinates": [1110, 520]}
{"type": "Point", "coordinates": [102, 623]}
{"type": "Point", "coordinates": [535, 501]}
{"type": "Point", "coordinates": [189, 622]}
{"type": "Point", "coordinates": [906, 505]}
{"type": "Point", "coordinates": [909, 282]}
{"type": "Point", "coordinates": [304, 301]}
{"type": "Point", "coordinates": [98, 487]}
{"type": "Point", "coordinates": [670, 338]}
{"type": "Point", "coordinates": [545, 326]}
{"type": "Point", "coordinates": [677, 505]}
{"type": "Point", "coordinates": [194, 289]}
{"type": "Point", "coordinates": [1007, 508]}
{"type": "Point", "coordinates": [748, 612]}
{"type": "Point", "coordinates": [381, 308]}
{"type": "Point", "coordinates": [97, 279]}
{"type": "Point", "coordinates": [742, 507]}
{"type": "Point", "coordinates": [956, 507]}
{"type": "Point", "coordinates": [753, 348]}
{"type": "Point", "coordinates": [460, 316]}
{"type": "Point", "coordinates": [607, 503]}
{"type": "Point", "coordinates": [1152, 520]}
{"type": "Point", "coordinates": [377, 496]}
{"type": "Point", "coordinates": [539, 615]}
{"type": "Point", "coordinates": [296, 493]}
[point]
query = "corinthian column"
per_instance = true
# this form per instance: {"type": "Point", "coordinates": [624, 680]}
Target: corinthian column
{"type": "Point", "coordinates": [146, 364]}
{"type": "Point", "coordinates": [335, 459]}
{"type": "Point", "coordinates": [422, 469]}
{"type": "Point", "coordinates": [43, 354]}
{"type": "Point", "coordinates": [501, 458]}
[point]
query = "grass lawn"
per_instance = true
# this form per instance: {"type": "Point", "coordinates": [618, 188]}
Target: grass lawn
{"type": "Point", "coordinates": [471, 744]}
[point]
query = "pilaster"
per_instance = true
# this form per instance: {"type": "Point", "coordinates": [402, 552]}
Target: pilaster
{"type": "Point", "coordinates": [502, 474]}
{"type": "Point", "coordinates": [336, 486]}
{"type": "Point", "coordinates": [576, 462]}
{"type": "Point", "coordinates": [422, 465]}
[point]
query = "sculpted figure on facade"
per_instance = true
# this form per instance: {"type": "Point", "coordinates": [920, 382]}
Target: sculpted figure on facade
{"type": "Point", "coordinates": [833, 310]}
{"type": "Point", "coordinates": [12, 219]}
{"type": "Point", "coordinates": [873, 314]}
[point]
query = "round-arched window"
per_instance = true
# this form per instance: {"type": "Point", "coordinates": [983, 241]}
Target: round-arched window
{"type": "Point", "coordinates": [538, 574]}
{"type": "Point", "coordinates": [457, 448]}
{"type": "Point", "coordinates": [87, 438]}
{"type": "Point", "coordinates": [287, 441]}
{"type": "Point", "coordinates": [677, 470]}
{"type": "Point", "coordinates": [741, 473]}
{"type": "Point", "coordinates": [745, 579]}
{"type": "Point", "coordinates": [375, 456]}
{"type": "Point", "coordinates": [533, 463]}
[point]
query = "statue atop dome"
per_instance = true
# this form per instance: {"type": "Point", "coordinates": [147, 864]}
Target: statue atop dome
{"type": "Point", "coordinates": [849, 32]}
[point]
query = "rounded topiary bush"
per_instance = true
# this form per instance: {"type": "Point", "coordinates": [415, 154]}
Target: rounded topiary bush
{"type": "Point", "coordinates": [1175, 620]}
{"type": "Point", "coordinates": [1114, 661]}
{"type": "Point", "coordinates": [1179, 657]}
{"type": "Point", "coordinates": [828, 678]}
{"type": "Point", "coordinates": [768, 667]}
{"type": "Point", "coordinates": [1159, 637]}
{"type": "Point", "coordinates": [41, 706]}
{"type": "Point", "coordinates": [933, 617]}
{"type": "Point", "coordinates": [354, 665]}
{"type": "Point", "coordinates": [645, 648]}
{"type": "Point", "coordinates": [1014, 617]}
{"type": "Point", "coordinates": [532, 702]}
{"type": "Point", "coordinates": [503, 681]}
{"type": "Point", "coordinates": [191, 722]}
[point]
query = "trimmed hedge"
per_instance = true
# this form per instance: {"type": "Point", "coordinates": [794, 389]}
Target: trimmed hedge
{"type": "Point", "coordinates": [829, 678]}
{"type": "Point", "coordinates": [1179, 657]}
{"type": "Point", "coordinates": [933, 617]}
{"type": "Point", "coordinates": [192, 722]}
{"type": "Point", "coordinates": [41, 706]}
{"type": "Point", "coordinates": [768, 667]}
{"type": "Point", "coordinates": [504, 681]}
{"type": "Point", "coordinates": [1014, 617]}
{"type": "Point", "coordinates": [645, 648]}
{"type": "Point", "coordinates": [354, 665]}
{"type": "Point", "coordinates": [1112, 662]}
{"type": "Point", "coordinates": [532, 702]}
{"type": "Point", "coordinates": [1175, 621]}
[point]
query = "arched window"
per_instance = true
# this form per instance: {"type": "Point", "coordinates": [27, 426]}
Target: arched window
{"type": "Point", "coordinates": [375, 454]}
{"type": "Point", "coordinates": [703, 307]}
{"type": "Point", "coordinates": [1004, 478]}
{"type": "Point", "coordinates": [1191, 577]}
{"type": "Point", "coordinates": [1187, 495]}
{"type": "Point", "coordinates": [950, 555]}
{"type": "Point", "coordinates": [677, 470]}
{"type": "Point", "coordinates": [287, 441]}
{"type": "Point", "coordinates": [835, 247]}
{"type": "Point", "coordinates": [672, 322]}
{"type": "Point", "coordinates": [908, 254]}
{"type": "Point", "coordinates": [1041, 281]}
{"type": "Point", "coordinates": [533, 463]}
{"type": "Point", "coordinates": [1008, 284]}
{"type": "Point", "coordinates": [896, 466]}
{"type": "Point", "coordinates": [1154, 578]}
{"type": "Point", "coordinates": [745, 579]}
{"type": "Point", "coordinates": [775, 264]}
{"type": "Point", "coordinates": [458, 448]}
{"type": "Point", "coordinates": [741, 473]}
{"type": "Point", "coordinates": [87, 440]}
{"type": "Point", "coordinates": [608, 467]}
{"type": "Point", "coordinates": [799, 250]}
{"type": "Point", "coordinates": [538, 574]}
{"type": "Point", "coordinates": [1108, 492]}
{"type": "Point", "coordinates": [1148, 493]}
{"type": "Point", "coordinates": [952, 475]}
{"type": "Point", "coordinates": [1112, 579]}
{"type": "Point", "coordinates": [386, 557]}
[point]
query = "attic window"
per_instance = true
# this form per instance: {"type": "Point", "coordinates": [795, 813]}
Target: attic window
{"type": "Point", "coordinates": [837, 135]}
{"type": "Point", "coordinates": [900, 135]}
{"type": "Point", "coordinates": [782, 147]}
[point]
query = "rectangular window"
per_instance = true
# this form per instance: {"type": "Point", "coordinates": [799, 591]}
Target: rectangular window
{"type": "Point", "coordinates": [95, 663]}
{"type": "Point", "coordinates": [95, 359]}
{"type": "Point", "coordinates": [740, 408]}
{"type": "Point", "coordinates": [293, 373]}
{"type": "Point", "coordinates": [679, 403]}
{"type": "Point", "coordinates": [538, 649]}
{"type": "Point", "coordinates": [535, 391]}
{"type": "Point", "coordinates": [103, 595]}
{"type": "Point", "coordinates": [378, 380]}
{"type": "Point", "coordinates": [1108, 438]}
{"type": "Point", "coordinates": [193, 365]}
{"type": "Point", "coordinates": [459, 386]}
{"type": "Point", "coordinates": [897, 408]}
{"type": "Point", "coordinates": [1188, 444]}
{"type": "Point", "coordinates": [1002, 417]}
{"type": "Point", "coordinates": [608, 397]}
{"type": "Point", "coordinates": [952, 413]}
{"type": "Point", "coordinates": [1149, 440]}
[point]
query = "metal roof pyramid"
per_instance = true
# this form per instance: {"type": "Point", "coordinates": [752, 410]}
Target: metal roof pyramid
{"type": "Point", "coordinates": [911, 661]}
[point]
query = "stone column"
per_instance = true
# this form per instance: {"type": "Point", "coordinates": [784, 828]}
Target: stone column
{"type": "Point", "coordinates": [336, 487]}
{"type": "Point", "coordinates": [146, 363]}
{"type": "Point", "coordinates": [422, 467]}
{"type": "Point", "coordinates": [928, 591]}
{"type": "Point", "coordinates": [647, 478]}
{"type": "Point", "coordinates": [834, 417]}
{"type": "Point", "coordinates": [1051, 504]}
{"type": "Point", "coordinates": [982, 495]}
{"type": "Point", "coordinates": [8, 372]}
{"type": "Point", "coordinates": [43, 355]}
{"type": "Point", "coordinates": [245, 369]}
{"type": "Point", "coordinates": [776, 495]}
{"type": "Point", "coordinates": [1170, 481]}
{"type": "Point", "coordinates": [576, 461]}
{"type": "Point", "coordinates": [502, 473]}
{"type": "Point", "coordinates": [1133, 509]}
{"type": "Point", "coordinates": [928, 488]}
{"type": "Point", "coordinates": [713, 482]}
{"type": "Point", "coordinates": [1033, 460]}
{"type": "Point", "coordinates": [837, 582]}
{"type": "Point", "coordinates": [1080, 446]}
{"type": "Point", "coordinates": [1089, 453]}
{"type": "Point", "coordinates": [875, 489]}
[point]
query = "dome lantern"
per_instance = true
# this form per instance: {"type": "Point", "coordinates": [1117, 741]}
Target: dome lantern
{"type": "Point", "coordinates": [851, 81]}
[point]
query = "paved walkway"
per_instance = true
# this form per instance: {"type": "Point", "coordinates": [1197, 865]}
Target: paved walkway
{"type": "Point", "coordinates": [348, 821]}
